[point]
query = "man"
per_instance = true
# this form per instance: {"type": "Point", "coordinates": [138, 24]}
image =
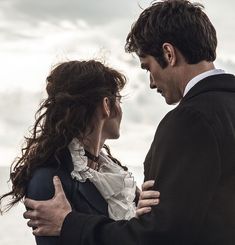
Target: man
{"type": "Point", "coordinates": [192, 157]}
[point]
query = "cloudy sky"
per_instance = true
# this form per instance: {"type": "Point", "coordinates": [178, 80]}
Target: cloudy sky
{"type": "Point", "coordinates": [35, 35]}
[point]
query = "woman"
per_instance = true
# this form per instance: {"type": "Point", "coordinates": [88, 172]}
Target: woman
{"type": "Point", "coordinates": [81, 111]}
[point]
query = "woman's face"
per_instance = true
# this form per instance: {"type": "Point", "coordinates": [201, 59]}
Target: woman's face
{"type": "Point", "coordinates": [112, 124]}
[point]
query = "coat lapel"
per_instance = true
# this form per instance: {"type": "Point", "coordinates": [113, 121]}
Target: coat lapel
{"type": "Point", "coordinates": [221, 82]}
{"type": "Point", "coordinates": [93, 196]}
{"type": "Point", "coordinates": [87, 189]}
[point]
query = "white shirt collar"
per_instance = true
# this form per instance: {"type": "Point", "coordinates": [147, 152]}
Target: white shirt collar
{"type": "Point", "coordinates": [201, 76]}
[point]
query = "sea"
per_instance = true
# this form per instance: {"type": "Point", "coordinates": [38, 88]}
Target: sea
{"type": "Point", "coordinates": [13, 227]}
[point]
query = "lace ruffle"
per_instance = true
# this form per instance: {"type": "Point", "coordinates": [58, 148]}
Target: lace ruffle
{"type": "Point", "coordinates": [116, 185]}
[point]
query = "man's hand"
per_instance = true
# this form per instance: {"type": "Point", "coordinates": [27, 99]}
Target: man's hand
{"type": "Point", "coordinates": [147, 198]}
{"type": "Point", "coordinates": [47, 217]}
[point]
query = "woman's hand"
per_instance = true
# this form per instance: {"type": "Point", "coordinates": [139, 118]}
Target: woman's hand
{"type": "Point", "coordinates": [147, 198]}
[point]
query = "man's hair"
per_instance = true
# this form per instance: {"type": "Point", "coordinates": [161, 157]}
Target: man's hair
{"type": "Point", "coordinates": [178, 22]}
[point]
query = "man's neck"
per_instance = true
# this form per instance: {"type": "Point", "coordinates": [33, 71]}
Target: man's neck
{"type": "Point", "coordinates": [192, 70]}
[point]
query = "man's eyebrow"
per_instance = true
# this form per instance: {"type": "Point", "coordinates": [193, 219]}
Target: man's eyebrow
{"type": "Point", "coordinates": [141, 54]}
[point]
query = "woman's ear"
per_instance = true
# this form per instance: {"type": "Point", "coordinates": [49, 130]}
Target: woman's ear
{"type": "Point", "coordinates": [106, 107]}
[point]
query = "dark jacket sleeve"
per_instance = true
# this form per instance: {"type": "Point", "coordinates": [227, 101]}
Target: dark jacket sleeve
{"type": "Point", "coordinates": [184, 160]}
{"type": "Point", "coordinates": [41, 187]}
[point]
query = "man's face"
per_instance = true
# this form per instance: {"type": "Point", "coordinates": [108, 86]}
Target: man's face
{"type": "Point", "coordinates": [164, 80]}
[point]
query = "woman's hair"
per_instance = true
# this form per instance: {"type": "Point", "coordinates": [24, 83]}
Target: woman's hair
{"type": "Point", "coordinates": [179, 22]}
{"type": "Point", "coordinates": [74, 90]}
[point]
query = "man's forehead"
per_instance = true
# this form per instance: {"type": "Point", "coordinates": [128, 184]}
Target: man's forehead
{"type": "Point", "coordinates": [140, 53]}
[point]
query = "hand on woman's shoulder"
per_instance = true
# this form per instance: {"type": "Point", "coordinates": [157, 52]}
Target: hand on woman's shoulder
{"type": "Point", "coordinates": [40, 186]}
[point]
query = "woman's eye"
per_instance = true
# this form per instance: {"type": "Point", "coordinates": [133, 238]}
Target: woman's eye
{"type": "Point", "coordinates": [119, 99]}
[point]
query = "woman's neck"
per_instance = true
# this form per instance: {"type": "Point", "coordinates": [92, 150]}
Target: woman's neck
{"type": "Point", "coordinates": [93, 143]}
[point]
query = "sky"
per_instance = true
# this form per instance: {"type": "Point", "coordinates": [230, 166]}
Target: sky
{"type": "Point", "coordinates": [35, 35]}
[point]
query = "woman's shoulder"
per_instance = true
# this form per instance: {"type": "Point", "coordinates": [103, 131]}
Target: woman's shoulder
{"type": "Point", "coordinates": [40, 185]}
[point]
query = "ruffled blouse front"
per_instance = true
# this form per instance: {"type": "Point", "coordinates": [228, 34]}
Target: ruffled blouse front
{"type": "Point", "coordinates": [116, 185]}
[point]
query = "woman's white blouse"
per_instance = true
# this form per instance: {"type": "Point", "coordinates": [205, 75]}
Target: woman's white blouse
{"type": "Point", "coordinates": [116, 185]}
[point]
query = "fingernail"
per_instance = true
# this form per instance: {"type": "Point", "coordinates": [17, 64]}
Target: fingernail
{"type": "Point", "coordinates": [158, 193]}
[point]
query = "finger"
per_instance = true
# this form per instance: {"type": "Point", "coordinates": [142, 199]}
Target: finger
{"type": "Point", "coordinates": [57, 185]}
{"type": "Point", "coordinates": [138, 191]}
{"type": "Point", "coordinates": [149, 194]}
{"type": "Point", "coordinates": [33, 223]}
{"type": "Point", "coordinates": [38, 231]}
{"type": "Point", "coordinates": [30, 214]}
{"type": "Point", "coordinates": [148, 203]}
{"type": "Point", "coordinates": [147, 185]}
{"type": "Point", "coordinates": [142, 211]}
{"type": "Point", "coordinates": [44, 230]}
{"type": "Point", "coordinates": [30, 204]}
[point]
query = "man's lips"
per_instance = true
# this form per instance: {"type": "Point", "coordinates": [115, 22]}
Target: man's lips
{"type": "Point", "coordinates": [159, 90]}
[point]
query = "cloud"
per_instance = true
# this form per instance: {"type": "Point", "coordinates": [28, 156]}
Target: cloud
{"type": "Point", "coordinates": [227, 64]}
{"type": "Point", "coordinates": [21, 18]}
{"type": "Point", "coordinates": [17, 115]}
{"type": "Point", "coordinates": [92, 11]}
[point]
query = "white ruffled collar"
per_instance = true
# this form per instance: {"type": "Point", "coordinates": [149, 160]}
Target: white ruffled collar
{"type": "Point", "coordinates": [116, 185]}
{"type": "Point", "coordinates": [81, 171]}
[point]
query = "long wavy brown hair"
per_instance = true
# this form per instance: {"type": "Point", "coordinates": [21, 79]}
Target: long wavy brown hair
{"type": "Point", "coordinates": [74, 90]}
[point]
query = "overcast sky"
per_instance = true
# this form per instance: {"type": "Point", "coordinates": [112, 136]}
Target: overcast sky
{"type": "Point", "coordinates": [35, 35]}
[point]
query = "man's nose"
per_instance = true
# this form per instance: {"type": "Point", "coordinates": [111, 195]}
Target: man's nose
{"type": "Point", "coordinates": [152, 84]}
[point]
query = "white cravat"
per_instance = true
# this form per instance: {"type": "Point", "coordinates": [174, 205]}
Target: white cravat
{"type": "Point", "coordinates": [201, 76]}
{"type": "Point", "coordinates": [116, 185]}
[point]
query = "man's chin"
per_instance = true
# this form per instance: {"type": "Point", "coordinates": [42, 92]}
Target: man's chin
{"type": "Point", "coordinates": [171, 102]}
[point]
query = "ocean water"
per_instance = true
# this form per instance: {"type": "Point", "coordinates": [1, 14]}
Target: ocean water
{"type": "Point", "coordinates": [13, 227]}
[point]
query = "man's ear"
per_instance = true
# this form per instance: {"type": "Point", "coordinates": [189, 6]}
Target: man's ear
{"type": "Point", "coordinates": [106, 107]}
{"type": "Point", "coordinates": [169, 52]}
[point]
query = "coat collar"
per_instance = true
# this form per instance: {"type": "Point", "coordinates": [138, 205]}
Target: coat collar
{"type": "Point", "coordinates": [65, 160]}
{"type": "Point", "coordinates": [221, 82]}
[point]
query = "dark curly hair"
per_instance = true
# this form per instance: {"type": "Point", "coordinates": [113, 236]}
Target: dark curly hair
{"type": "Point", "coordinates": [74, 89]}
{"type": "Point", "coordinates": [179, 22]}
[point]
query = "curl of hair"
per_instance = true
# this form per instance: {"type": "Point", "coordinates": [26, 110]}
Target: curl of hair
{"type": "Point", "coordinates": [74, 89]}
